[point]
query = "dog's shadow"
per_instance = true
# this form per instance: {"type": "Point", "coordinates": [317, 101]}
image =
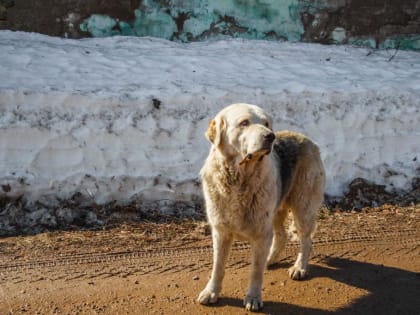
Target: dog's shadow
{"type": "Point", "coordinates": [390, 290]}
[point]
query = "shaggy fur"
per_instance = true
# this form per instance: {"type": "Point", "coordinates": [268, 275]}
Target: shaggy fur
{"type": "Point", "coordinates": [251, 179]}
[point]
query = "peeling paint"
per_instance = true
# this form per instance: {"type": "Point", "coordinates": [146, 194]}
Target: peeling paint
{"type": "Point", "coordinates": [185, 21]}
{"type": "Point", "coordinates": [218, 18]}
{"type": "Point", "coordinates": [153, 21]}
{"type": "Point", "coordinates": [406, 42]}
{"type": "Point", "coordinates": [100, 26]}
{"type": "Point", "coordinates": [383, 24]}
{"type": "Point", "coordinates": [363, 42]}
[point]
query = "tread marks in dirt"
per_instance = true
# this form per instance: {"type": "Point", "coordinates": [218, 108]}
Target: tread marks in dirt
{"type": "Point", "coordinates": [173, 260]}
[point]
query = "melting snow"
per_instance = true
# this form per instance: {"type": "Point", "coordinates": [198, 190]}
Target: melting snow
{"type": "Point", "coordinates": [120, 118]}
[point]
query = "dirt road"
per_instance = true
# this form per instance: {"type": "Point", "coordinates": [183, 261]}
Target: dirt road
{"type": "Point", "coordinates": [363, 263]}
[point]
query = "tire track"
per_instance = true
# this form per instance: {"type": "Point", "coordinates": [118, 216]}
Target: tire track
{"type": "Point", "coordinates": [169, 259]}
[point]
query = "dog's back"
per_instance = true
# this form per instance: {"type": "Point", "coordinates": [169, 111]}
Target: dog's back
{"type": "Point", "coordinates": [292, 149]}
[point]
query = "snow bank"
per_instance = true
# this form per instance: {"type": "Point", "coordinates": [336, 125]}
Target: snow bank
{"type": "Point", "coordinates": [123, 118]}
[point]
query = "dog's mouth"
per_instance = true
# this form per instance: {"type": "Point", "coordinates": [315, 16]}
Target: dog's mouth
{"type": "Point", "coordinates": [256, 156]}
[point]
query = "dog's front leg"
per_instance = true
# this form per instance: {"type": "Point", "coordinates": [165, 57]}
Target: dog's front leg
{"type": "Point", "coordinates": [260, 249]}
{"type": "Point", "coordinates": [221, 246]}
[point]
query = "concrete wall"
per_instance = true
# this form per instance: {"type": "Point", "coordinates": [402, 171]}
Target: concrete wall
{"type": "Point", "coordinates": [376, 24]}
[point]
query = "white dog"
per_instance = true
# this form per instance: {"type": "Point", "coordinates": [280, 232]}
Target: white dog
{"type": "Point", "coordinates": [251, 178]}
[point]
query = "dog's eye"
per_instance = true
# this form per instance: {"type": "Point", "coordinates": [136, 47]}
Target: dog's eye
{"type": "Point", "coordinates": [267, 124]}
{"type": "Point", "coordinates": [244, 123]}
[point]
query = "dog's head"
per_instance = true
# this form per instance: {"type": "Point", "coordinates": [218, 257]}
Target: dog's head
{"type": "Point", "coordinates": [241, 131]}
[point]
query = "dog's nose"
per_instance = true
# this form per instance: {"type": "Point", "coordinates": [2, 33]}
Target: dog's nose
{"type": "Point", "coordinates": [270, 137]}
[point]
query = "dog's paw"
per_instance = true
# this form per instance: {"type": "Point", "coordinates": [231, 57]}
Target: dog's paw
{"type": "Point", "coordinates": [253, 303]}
{"type": "Point", "coordinates": [208, 297]}
{"type": "Point", "coordinates": [297, 273]}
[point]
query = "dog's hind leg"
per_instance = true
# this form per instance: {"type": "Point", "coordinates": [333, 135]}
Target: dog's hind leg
{"type": "Point", "coordinates": [305, 198]}
{"type": "Point", "coordinates": [299, 270]}
{"type": "Point", "coordinates": [221, 247]}
{"type": "Point", "coordinates": [304, 216]}
{"type": "Point", "coordinates": [279, 236]}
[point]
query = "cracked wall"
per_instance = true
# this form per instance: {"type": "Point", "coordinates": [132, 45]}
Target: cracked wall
{"type": "Point", "coordinates": [376, 24]}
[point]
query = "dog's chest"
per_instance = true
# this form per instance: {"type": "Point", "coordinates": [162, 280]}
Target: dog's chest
{"type": "Point", "coordinates": [243, 210]}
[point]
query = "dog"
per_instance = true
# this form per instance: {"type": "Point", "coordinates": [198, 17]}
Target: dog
{"type": "Point", "coordinates": [251, 179]}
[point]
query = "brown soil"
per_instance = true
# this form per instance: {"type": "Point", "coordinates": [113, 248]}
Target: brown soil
{"type": "Point", "coordinates": [364, 262]}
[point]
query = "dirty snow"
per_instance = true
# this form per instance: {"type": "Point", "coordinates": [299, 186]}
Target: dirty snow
{"type": "Point", "coordinates": [123, 118]}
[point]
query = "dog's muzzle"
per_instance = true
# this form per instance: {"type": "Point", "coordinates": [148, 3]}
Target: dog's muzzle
{"type": "Point", "coordinates": [266, 147]}
{"type": "Point", "coordinates": [268, 142]}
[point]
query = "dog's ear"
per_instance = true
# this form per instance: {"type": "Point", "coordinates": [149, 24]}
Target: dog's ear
{"type": "Point", "coordinates": [214, 131]}
{"type": "Point", "coordinates": [211, 131]}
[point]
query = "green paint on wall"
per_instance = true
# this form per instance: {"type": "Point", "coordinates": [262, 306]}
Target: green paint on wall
{"type": "Point", "coordinates": [192, 20]}
{"type": "Point", "coordinates": [154, 22]}
{"type": "Point", "coordinates": [255, 19]}
{"type": "Point", "coordinates": [259, 19]}
{"type": "Point", "coordinates": [363, 42]}
{"type": "Point", "coordinates": [404, 42]}
{"type": "Point", "coordinates": [99, 25]}
{"type": "Point", "coordinates": [126, 29]}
